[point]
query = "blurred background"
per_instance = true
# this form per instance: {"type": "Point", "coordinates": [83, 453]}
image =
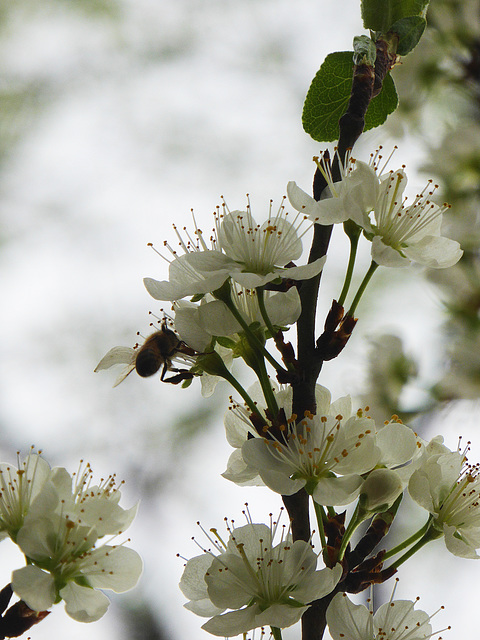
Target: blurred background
{"type": "Point", "coordinates": [119, 117]}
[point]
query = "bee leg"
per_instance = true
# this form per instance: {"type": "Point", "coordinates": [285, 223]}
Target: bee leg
{"type": "Point", "coordinates": [184, 348]}
{"type": "Point", "coordinates": [183, 374]}
{"type": "Point", "coordinates": [164, 370]}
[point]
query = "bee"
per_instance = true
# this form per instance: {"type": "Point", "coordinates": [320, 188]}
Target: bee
{"type": "Point", "coordinates": [157, 352]}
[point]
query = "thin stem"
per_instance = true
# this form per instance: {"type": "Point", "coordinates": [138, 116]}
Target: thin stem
{"type": "Point", "coordinates": [409, 541]}
{"type": "Point", "coordinates": [320, 513]}
{"type": "Point", "coordinates": [427, 537]}
{"type": "Point", "coordinates": [276, 633]}
{"type": "Point", "coordinates": [351, 264]}
{"type": "Point", "coordinates": [251, 337]}
{"type": "Point", "coordinates": [263, 311]}
{"type": "Point", "coordinates": [355, 521]}
{"type": "Point", "coordinates": [362, 287]}
{"type": "Point", "coordinates": [264, 380]}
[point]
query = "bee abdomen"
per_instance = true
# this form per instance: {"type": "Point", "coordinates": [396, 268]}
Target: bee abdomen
{"type": "Point", "coordinates": [147, 363]}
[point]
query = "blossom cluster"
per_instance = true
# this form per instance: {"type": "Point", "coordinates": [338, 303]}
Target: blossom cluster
{"type": "Point", "coordinates": [330, 454]}
{"type": "Point", "coordinates": [393, 620]}
{"type": "Point", "coordinates": [228, 297]}
{"type": "Point", "coordinates": [240, 288]}
{"type": "Point", "coordinates": [374, 200]}
{"type": "Point", "coordinates": [230, 284]}
{"type": "Point", "coordinates": [64, 525]}
{"type": "Point", "coordinates": [338, 456]}
{"type": "Point", "coordinates": [260, 574]}
{"type": "Point", "coordinates": [260, 577]}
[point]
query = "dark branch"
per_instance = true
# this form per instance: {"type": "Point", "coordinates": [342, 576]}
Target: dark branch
{"type": "Point", "coordinates": [367, 82]}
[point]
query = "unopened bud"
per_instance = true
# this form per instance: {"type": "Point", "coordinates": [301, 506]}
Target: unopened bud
{"type": "Point", "coordinates": [380, 490]}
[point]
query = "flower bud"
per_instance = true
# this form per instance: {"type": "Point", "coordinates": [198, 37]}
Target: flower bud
{"type": "Point", "coordinates": [380, 490]}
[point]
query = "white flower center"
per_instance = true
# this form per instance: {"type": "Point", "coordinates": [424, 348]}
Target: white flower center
{"type": "Point", "coordinates": [396, 223]}
{"type": "Point", "coordinates": [261, 248]}
{"type": "Point", "coordinates": [268, 576]}
{"type": "Point", "coordinates": [324, 165]}
{"type": "Point", "coordinates": [16, 489]}
{"type": "Point", "coordinates": [314, 446]}
{"type": "Point", "coordinates": [461, 507]}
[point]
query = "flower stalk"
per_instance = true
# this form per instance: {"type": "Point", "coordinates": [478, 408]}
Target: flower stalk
{"type": "Point", "coordinates": [409, 541]}
{"type": "Point", "coordinates": [430, 535]}
{"type": "Point", "coordinates": [276, 633]}
{"type": "Point", "coordinates": [361, 289]}
{"type": "Point", "coordinates": [320, 514]}
{"type": "Point", "coordinates": [224, 294]}
{"type": "Point", "coordinates": [353, 232]}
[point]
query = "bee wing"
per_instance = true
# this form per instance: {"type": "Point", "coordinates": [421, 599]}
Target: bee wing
{"type": "Point", "coordinates": [124, 374]}
{"type": "Point", "coordinates": [117, 355]}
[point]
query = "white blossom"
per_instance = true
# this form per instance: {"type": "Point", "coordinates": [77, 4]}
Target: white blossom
{"type": "Point", "coordinates": [19, 487]}
{"type": "Point", "coordinates": [449, 489]}
{"type": "Point", "coordinates": [394, 620]}
{"type": "Point", "coordinates": [60, 538]}
{"type": "Point", "coordinates": [399, 233]}
{"type": "Point", "coordinates": [374, 200]}
{"type": "Point", "coordinates": [198, 323]}
{"type": "Point", "coordinates": [259, 575]}
{"type": "Point", "coordinates": [251, 254]}
{"type": "Point", "coordinates": [326, 453]}
{"type": "Point", "coordinates": [333, 205]}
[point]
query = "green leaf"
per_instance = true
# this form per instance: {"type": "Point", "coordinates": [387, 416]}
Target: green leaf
{"type": "Point", "coordinates": [382, 105]}
{"type": "Point", "coordinates": [379, 15]}
{"type": "Point", "coordinates": [409, 31]}
{"type": "Point", "coordinates": [364, 50]}
{"type": "Point", "coordinates": [328, 97]}
{"type": "Point", "coordinates": [226, 342]}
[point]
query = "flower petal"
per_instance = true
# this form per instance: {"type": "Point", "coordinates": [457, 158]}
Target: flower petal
{"type": "Point", "coordinates": [232, 623]}
{"type": "Point", "coordinates": [188, 327]}
{"type": "Point", "coordinates": [435, 252]}
{"type": "Point", "coordinates": [348, 621]}
{"type": "Point", "coordinates": [337, 491]}
{"type": "Point", "coordinates": [229, 588]}
{"type": "Point", "coordinates": [401, 615]}
{"type": "Point", "coordinates": [217, 319]}
{"type": "Point", "coordinates": [387, 256]}
{"type": "Point", "coordinates": [306, 271]}
{"type": "Point", "coordinates": [84, 604]}
{"type": "Point", "coordinates": [240, 472]}
{"type": "Point", "coordinates": [280, 616]}
{"type": "Point", "coordinates": [457, 544]}
{"type": "Point", "coordinates": [192, 583]}
{"type": "Point", "coordinates": [397, 443]}
{"type": "Point", "coordinates": [283, 308]}
{"type": "Point", "coordinates": [116, 568]}
{"type": "Point", "coordinates": [326, 211]}
{"type": "Point", "coordinates": [381, 488]}
{"type": "Point", "coordinates": [35, 587]}
{"type": "Point", "coordinates": [319, 584]}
